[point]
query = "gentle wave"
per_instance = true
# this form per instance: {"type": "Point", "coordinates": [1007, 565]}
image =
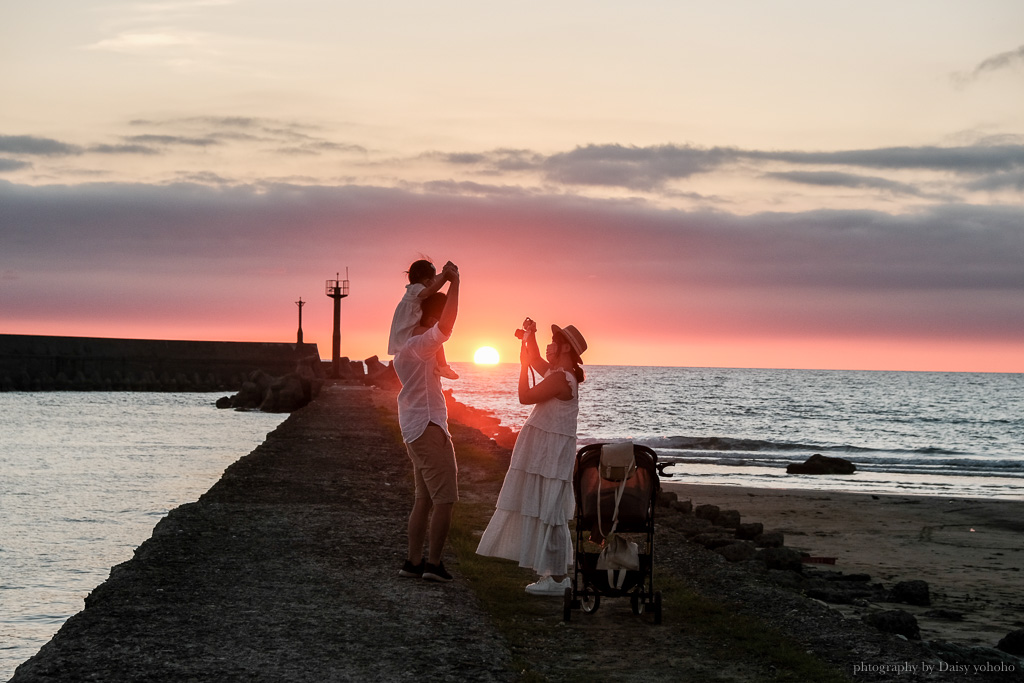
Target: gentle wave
{"type": "Point", "coordinates": [932, 433]}
{"type": "Point", "coordinates": [998, 469]}
{"type": "Point", "coordinates": [744, 452]}
{"type": "Point", "coordinates": [718, 443]}
{"type": "Point", "coordinates": [967, 420]}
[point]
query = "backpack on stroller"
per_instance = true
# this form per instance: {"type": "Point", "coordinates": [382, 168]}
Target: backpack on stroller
{"type": "Point", "coordinates": [615, 487]}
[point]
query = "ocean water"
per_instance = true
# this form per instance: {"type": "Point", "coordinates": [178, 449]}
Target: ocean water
{"type": "Point", "coordinates": [84, 478]}
{"type": "Point", "coordinates": [955, 434]}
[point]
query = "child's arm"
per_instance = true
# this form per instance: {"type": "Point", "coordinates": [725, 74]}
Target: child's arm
{"type": "Point", "coordinates": [435, 284]}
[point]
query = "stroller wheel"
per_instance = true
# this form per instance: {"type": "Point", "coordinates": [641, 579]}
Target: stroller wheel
{"type": "Point", "coordinates": [657, 607]}
{"type": "Point", "coordinates": [636, 602]}
{"type": "Point", "coordinates": [590, 602]}
{"type": "Point", "coordinates": [567, 605]}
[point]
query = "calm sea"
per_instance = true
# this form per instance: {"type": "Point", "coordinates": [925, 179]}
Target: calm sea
{"type": "Point", "coordinates": [84, 477]}
{"type": "Point", "coordinates": [918, 433]}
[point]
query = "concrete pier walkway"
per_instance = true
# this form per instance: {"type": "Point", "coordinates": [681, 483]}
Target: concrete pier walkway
{"type": "Point", "coordinates": [286, 570]}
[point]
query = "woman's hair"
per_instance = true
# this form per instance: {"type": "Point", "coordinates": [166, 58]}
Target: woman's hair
{"type": "Point", "coordinates": [576, 360]}
{"type": "Point", "coordinates": [420, 271]}
{"type": "Point", "coordinates": [581, 376]}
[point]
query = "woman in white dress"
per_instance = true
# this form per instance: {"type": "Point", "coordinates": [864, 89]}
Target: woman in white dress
{"type": "Point", "coordinates": [531, 518]}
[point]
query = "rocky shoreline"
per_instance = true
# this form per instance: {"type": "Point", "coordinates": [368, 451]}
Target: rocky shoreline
{"type": "Point", "coordinates": [286, 570]}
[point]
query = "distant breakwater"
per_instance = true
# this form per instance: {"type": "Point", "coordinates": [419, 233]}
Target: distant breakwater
{"type": "Point", "coordinates": [43, 363]}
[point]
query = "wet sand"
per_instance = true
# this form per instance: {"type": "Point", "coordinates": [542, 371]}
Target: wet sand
{"type": "Point", "coordinates": [970, 551]}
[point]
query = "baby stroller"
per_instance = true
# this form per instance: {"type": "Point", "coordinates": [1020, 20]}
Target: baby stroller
{"type": "Point", "coordinates": [615, 487]}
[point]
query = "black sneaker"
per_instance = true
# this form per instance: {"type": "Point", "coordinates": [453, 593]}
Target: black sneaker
{"type": "Point", "coordinates": [412, 571]}
{"type": "Point", "coordinates": [435, 572]}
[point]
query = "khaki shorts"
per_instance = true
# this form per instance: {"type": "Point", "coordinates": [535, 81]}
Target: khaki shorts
{"type": "Point", "coordinates": [434, 468]}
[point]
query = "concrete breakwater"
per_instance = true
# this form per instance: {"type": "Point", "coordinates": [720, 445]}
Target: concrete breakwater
{"type": "Point", "coordinates": [43, 363]}
{"type": "Point", "coordinates": [285, 570]}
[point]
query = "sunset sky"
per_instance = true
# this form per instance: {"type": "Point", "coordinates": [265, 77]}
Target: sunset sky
{"type": "Point", "coordinates": [754, 183]}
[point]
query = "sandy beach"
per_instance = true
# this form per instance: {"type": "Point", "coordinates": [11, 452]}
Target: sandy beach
{"type": "Point", "coordinates": [969, 551]}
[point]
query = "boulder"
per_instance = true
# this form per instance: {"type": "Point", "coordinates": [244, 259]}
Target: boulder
{"type": "Point", "coordinates": [790, 580]}
{"type": "Point", "coordinates": [482, 420]}
{"type": "Point", "coordinates": [1013, 643]}
{"type": "Point", "coordinates": [249, 397]}
{"type": "Point", "coordinates": [910, 592]}
{"type": "Point", "coordinates": [380, 375]}
{"type": "Point", "coordinates": [374, 366]}
{"type": "Point", "coordinates": [781, 558]}
{"type": "Point", "coordinates": [310, 373]}
{"type": "Point", "coordinates": [708, 512]}
{"type": "Point", "coordinates": [894, 621]}
{"type": "Point", "coordinates": [737, 551]}
{"type": "Point", "coordinates": [821, 464]}
{"type": "Point", "coordinates": [666, 498]}
{"type": "Point", "coordinates": [749, 531]}
{"type": "Point", "coordinates": [729, 519]}
{"type": "Point", "coordinates": [842, 589]}
{"type": "Point", "coordinates": [277, 394]}
{"type": "Point", "coordinates": [286, 394]}
{"type": "Point", "coordinates": [684, 506]}
{"type": "Point", "coordinates": [771, 539]}
{"type": "Point", "coordinates": [346, 370]}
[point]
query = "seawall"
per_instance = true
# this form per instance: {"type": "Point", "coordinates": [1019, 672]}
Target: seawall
{"type": "Point", "coordinates": [43, 363]}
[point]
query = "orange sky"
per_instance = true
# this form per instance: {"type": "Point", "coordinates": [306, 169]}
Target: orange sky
{"type": "Point", "coordinates": [694, 184]}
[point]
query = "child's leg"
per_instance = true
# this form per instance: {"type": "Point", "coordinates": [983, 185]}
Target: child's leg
{"type": "Point", "coordinates": [443, 368]}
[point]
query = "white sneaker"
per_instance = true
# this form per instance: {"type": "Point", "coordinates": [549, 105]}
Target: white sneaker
{"type": "Point", "coordinates": [548, 586]}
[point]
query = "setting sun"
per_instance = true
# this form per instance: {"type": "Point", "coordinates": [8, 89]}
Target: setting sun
{"type": "Point", "coordinates": [486, 355]}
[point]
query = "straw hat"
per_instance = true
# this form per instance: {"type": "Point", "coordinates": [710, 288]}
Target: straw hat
{"type": "Point", "coordinates": [573, 336]}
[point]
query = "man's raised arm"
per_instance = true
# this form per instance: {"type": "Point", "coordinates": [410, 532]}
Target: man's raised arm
{"type": "Point", "coordinates": [451, 306]}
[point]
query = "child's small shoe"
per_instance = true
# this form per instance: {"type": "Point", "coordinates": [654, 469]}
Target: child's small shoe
{"type": "Point", "coordinates": [447, 372]}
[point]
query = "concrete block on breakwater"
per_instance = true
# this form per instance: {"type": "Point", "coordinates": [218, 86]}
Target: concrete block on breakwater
{"type": "Point", "coordinates": [41, 363]}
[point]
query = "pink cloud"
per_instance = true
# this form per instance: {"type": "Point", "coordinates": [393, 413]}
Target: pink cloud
{"type": "Point", "coordinates": [188, 261]}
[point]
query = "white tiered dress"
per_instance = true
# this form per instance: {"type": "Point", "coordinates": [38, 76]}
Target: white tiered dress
{"type": "Point", "coordinates": [531, 518]}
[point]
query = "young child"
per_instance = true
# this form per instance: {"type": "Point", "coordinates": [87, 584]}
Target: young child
{"type": "Point", "coordinates": [423, 282]}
